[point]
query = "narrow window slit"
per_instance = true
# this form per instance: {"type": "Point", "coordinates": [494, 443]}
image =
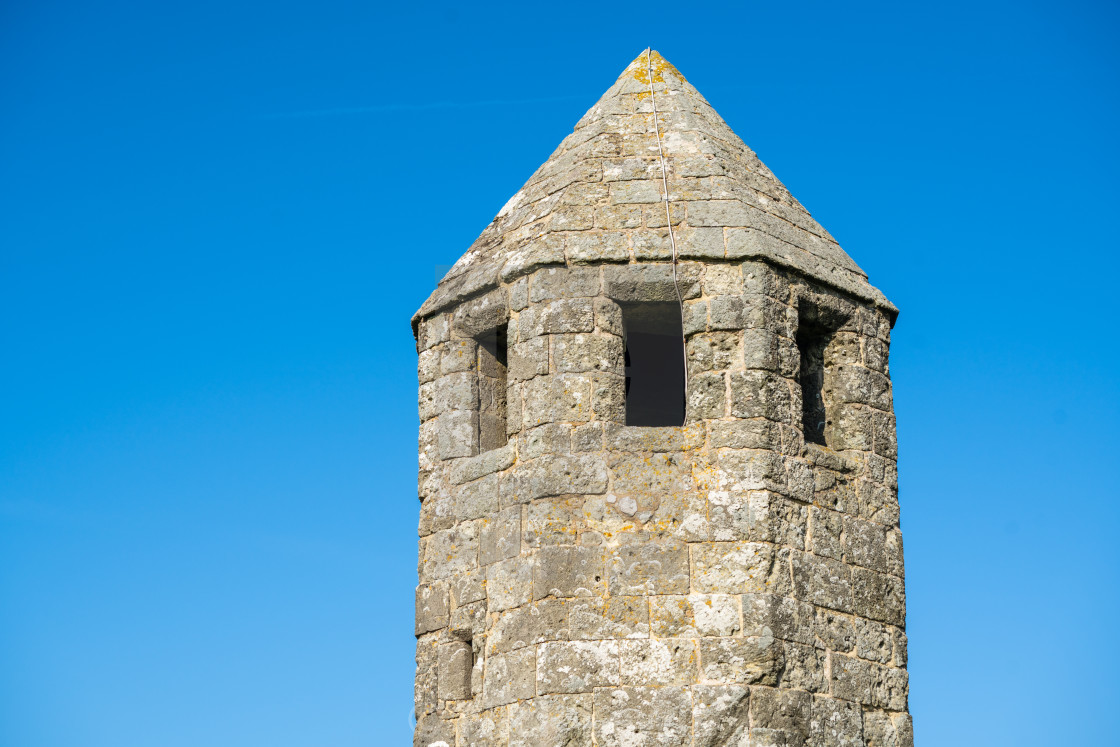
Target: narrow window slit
{"type": "Point", "coordinates": [492, 368]}
{"type": "Point", "coordinates": [654, 359]}
{"type": "Point", "coordinates": [812, 340]}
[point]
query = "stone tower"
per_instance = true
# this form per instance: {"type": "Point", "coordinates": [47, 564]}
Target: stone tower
{"type": "Point", "coordinates": [657, 457]}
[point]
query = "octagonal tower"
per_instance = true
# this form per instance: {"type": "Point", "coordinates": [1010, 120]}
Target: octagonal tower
{"type": "Point", "coordinates": [657, 457]}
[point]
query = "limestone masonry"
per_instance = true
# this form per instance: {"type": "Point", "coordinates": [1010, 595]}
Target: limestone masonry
{"type": "Point", "coordinates": [733, 579]}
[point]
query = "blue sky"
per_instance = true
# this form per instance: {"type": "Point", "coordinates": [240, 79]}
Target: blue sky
{"type": "Point", "coordinates": [217, 220]}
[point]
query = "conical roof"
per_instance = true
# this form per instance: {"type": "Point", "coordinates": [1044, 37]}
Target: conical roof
{"type": "Point", "coordinates": [598, 198]}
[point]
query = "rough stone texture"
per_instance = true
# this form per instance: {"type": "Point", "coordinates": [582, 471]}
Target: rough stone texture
{"type": "Point", "coordinates": [733, 581]}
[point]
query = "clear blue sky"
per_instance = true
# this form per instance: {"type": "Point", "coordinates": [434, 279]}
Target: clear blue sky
{"type": "Point", "coordinates": [218, 220]}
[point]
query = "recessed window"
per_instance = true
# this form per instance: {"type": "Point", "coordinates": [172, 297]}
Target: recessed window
{"type": "Point", "coordinates": [654, 350]}
{"type": "Point", "coordinates": [812, 339]}
{"type": "Point", "coordinates": [492, 367]}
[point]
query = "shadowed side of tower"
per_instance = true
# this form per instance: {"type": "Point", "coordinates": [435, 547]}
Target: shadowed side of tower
{"type": "Point", "coordinates": [730, 571]}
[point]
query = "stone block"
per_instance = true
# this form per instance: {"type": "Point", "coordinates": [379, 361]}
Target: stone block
{"type": "Point", "coordinates": [473, 468]}
{"type": "Point", "coordinates": [576, 666]}
{"type": "Point", "coordinates": [694, 615]}
{"type": "Point", "coordinates": [760, 278]}
{"type": "Point", "coordinates": [509, 583]}
{"type": "Point", "coordinates": [744, 434]}
{"type": "Point", "coordinates": [850, 678]}
{"type": "Point", "coordinates": [490, 728]}
{"type": "Point", "coordinates": [784, 617]}
{"type": "Point", "coordinates": [726, 312]}
{"type": "Point", "coordinates": [468, 587]}
{"type": "Point", "coordinates": [456, 660]}
{"type": "Point", "coordinates": [612, 617]}
{"type": "Point", "coordinates": [826, 528]}
{"type": "Point", "coordinates": [569, 572]}
{"type": "Point", "coordinates": [760, 350]}
{"type": "Point", "coordinates": [635, 191]}
{"type": "Point", "coordinates": [861, 386]}
{"type": "Point", "coordinates": [695, 317]}
{"type": "Point", "coordinates": [549, 438]}
{"type": "Point", "coordinates": [433, 731]}
{"type": "Point", "coordinates": [608, 398]}
{"type": "Point", "coordinates": [649, 568]}
{"type": "Point", "coordinates": [529, 625]}
{"type": "Point", "coordinates": [715, 351]}
{"type": "Point", "coordinates": [806, 668]}
{"type": "Point", "coordinates": [873, 641]}
{"type": "Point", "coordinates": [587, 437]}
{"type": "Point", "coordinates": [474, 500]}
{"type": "Point", "coordinates": [614, 217]}
{"type": "Point", "coordinates": [432, 607]}
{"type": "Point", "coordinates": [518, 294]}
{"type": "Point", "coordinates": [573, 218]}
{"type": "Point", "coordinates": [721, 716]}
{"type": "Point", "coordinates": [563, 282]}
{"type": "Point", "coordinates": [449, 552]}
{"type": "Point", "coordinates": [759, 515]}
{"type": "Point", "coordinates": [425, 685]}
{"type": "Point", "coordinates": [480, 315]}
{"type": "Point", "coordinates": [528, 359]}
{"type": "Point", "coordinates": [585, 474]}
{"type": "Point", "coordinates": [500, 537]}
{"type": "Point", "coordinates": [700, 243]}
{"type": "Point", "coordinates": [658, 663]}
{"type": "Point", "coordinates": [888, 729]}
{"type": "Point", "coordinates": [784, 711]}
{"type": "Point", "coordinates": [760, 394]}
{"type": "Point", "coordinates": [822, 581]}
{"type": "Point", "coordinates": [587, 352]}
{"type": "Point", "coordinates": [878, 596]}
{"type": "Point", "coordinates": [835, 723]}
{"type": "Point", "coordinates": [588, 247]}
{"type": "Point", "coordinates": [468, 621]}
{"type": "Point", "coordinates": [647, 283]}
{"type": "Point", "coordinates": [647, 716]}
{"type": "Point", "coordinates": [707, 396]}
{"type": "Point", "coordinates": [551, 720]}
{"type": "Point", "coordinates": [745, 661]}
{"type": "Point", "coordinates": [731, 567]}
{"type": "Point", "coordinates": [557, 520]}
{"type": "Point", "coordinates": [509, 677]}
{"type": "Point", "coordinates": [457, 434]}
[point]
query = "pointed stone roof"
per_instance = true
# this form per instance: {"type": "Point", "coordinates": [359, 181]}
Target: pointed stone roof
{"type": "Point", "coordinates": [598, 198]}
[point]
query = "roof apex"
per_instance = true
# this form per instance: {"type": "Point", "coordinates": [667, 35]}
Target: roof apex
{"type": "Point", "coordinates": [598, 198]}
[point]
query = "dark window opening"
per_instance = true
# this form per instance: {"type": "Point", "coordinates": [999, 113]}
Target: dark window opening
{"type": "Point", "coordinates": [812, 340]}
{"type": "Point", "coordinates": [654, 359]}
{"type": "Point", "coordinates": [492, 357]}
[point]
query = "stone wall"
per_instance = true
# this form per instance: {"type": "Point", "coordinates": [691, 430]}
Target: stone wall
{"type": "Point", "coordinates": [720, 583]}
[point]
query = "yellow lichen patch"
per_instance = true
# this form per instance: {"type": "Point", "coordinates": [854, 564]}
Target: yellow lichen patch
{"type": "Point", "coordinates": [659, 65]}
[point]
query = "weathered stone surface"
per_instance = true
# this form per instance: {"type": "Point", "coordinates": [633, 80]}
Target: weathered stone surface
{"type": "Point", "coordinates": [455, 664]}
{"type": "Point", "coordinates": [577, 666]}
{"type": "Point", "coordinates": [569, 572]}
{"type": "Point", "coordinates": [655, 568]}
{"type": "Point", "coordinates": [613, 617]}
{"type": "Point", "coordinates": [731, 567]}
{"type": "Point", "coordinates": [659, 662]}
{"type": "Point", "coordinates": [509, 583]}
{"type": "Point", "coordinates": [747, 661]}
{"type": "Point", "coordinates": [654, 716]}
{"type": "Point", "coordinates": [737, 581]}
{"type": "Point", "coordinates": [431, 607]}
{"type": "Point", "coordinates": [501, 536]}
{"type": "Point", "coordinates": [720, 716]}
{"type": "Point", "coordinates": [510, 677]}
{"type": "Point", "coordinates": [551, 720]}
{"type": "Point", "coordinates": [835, 723]}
